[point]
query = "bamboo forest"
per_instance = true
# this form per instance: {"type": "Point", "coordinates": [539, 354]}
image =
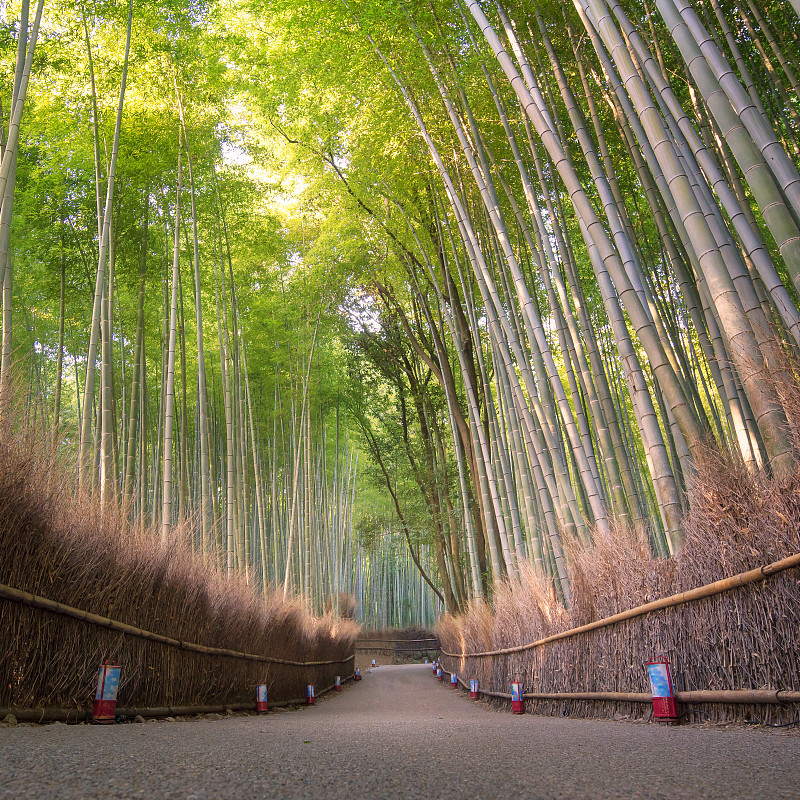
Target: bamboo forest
{"type": "Point", "coordinates": [422, 312]}
{"type": "Point", "coordinates": [428, 367]}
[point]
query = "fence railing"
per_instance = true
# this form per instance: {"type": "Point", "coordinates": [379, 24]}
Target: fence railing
{"type": "Point", "coordinates": [36, 601]}
{"type": "Point", "coordinates": [718, 587]}
{"type": "Point", "coordinates": [398, 646]}
{"type": "Point", "coordinates": [736, 696]}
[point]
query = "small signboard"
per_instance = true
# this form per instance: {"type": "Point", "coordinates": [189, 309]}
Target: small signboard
{"type": "Point", "coordinates": [107, 683]}
{"type": "Point", "coordinates": [105, 698]}
{"type": "Point", "coordinates": [261, 698]}
{"type": "Point", "coordinates": [517, 698]}
{"type": "Point", "coordinates": [664, 705]}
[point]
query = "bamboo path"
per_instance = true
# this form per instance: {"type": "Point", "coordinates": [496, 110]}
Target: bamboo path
{"type": "Point", "coordinates": [396, 734]}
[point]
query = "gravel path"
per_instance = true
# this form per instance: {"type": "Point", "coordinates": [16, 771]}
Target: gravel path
{"type": "Point", "coordinates": [397, 734]}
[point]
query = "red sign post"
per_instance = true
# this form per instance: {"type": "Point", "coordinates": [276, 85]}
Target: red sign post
{"type": "Point", "coordinates": [261, 698]}
{"type": "Point", "coordinates": [517, 699]}
{"type": "Point", "coordinates": [664, 705]}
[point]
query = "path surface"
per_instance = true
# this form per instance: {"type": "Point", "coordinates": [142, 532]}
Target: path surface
{"type": "Point", "coordinates": [397, 734]}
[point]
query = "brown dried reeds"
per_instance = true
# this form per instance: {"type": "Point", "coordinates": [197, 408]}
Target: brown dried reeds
{"type": "Point", "coordinates": [68, 549]}
{"type": "Point", "coordinates": [746, 638]}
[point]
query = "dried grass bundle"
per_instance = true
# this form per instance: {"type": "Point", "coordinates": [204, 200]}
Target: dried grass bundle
{"type": "Point", "coordinates": [66, 548]}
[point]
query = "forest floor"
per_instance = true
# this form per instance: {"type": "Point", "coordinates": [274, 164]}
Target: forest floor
{"type": "Point", "coordinates": [397, 734]}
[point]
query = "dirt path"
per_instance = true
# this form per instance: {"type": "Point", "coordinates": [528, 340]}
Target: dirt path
{"type": "Point", "coordinates": [397, 734]}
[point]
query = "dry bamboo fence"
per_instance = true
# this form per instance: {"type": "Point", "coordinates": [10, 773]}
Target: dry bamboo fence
{"type": "Point", "coordinates": [83, 586]}
{"type": "Point", "coordinates": [158, 670]}
{"type": "Point", "coordinates": [718, 587]}
{"type": "Point", "coordinates": [749, 696]}
{"type": "Point", "coordinates": [400, 645]}
{"type": "Point", "coordinates": [733, 638]}
{"type": "Point", "coordinates": [739, 634]}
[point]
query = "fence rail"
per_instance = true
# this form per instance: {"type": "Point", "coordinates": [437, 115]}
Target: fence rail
{"type": "Point", "coordinates": [397, 641]}
{"type": "Point", "coordinates": [691, 595]}
{"type": "Point", "coordinates": [371, 648]}
{"type": "Point", "coordinates": [736, 696]}
{"type": "Point", "coordinates": [81, 714]}
{"type": "Point", "coordinates": [36, 601]}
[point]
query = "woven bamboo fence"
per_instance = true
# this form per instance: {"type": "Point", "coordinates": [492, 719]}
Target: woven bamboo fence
{"type": "Point", "coordinates": [744, 638]}
{"type": "Point", "coordinates": [184, 635]}
{"type": "Point", "coordinates": [397, 645]}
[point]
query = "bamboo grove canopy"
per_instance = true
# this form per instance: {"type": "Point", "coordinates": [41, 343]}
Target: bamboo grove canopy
{"type": "Point", "coordinates": [345, 283]}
